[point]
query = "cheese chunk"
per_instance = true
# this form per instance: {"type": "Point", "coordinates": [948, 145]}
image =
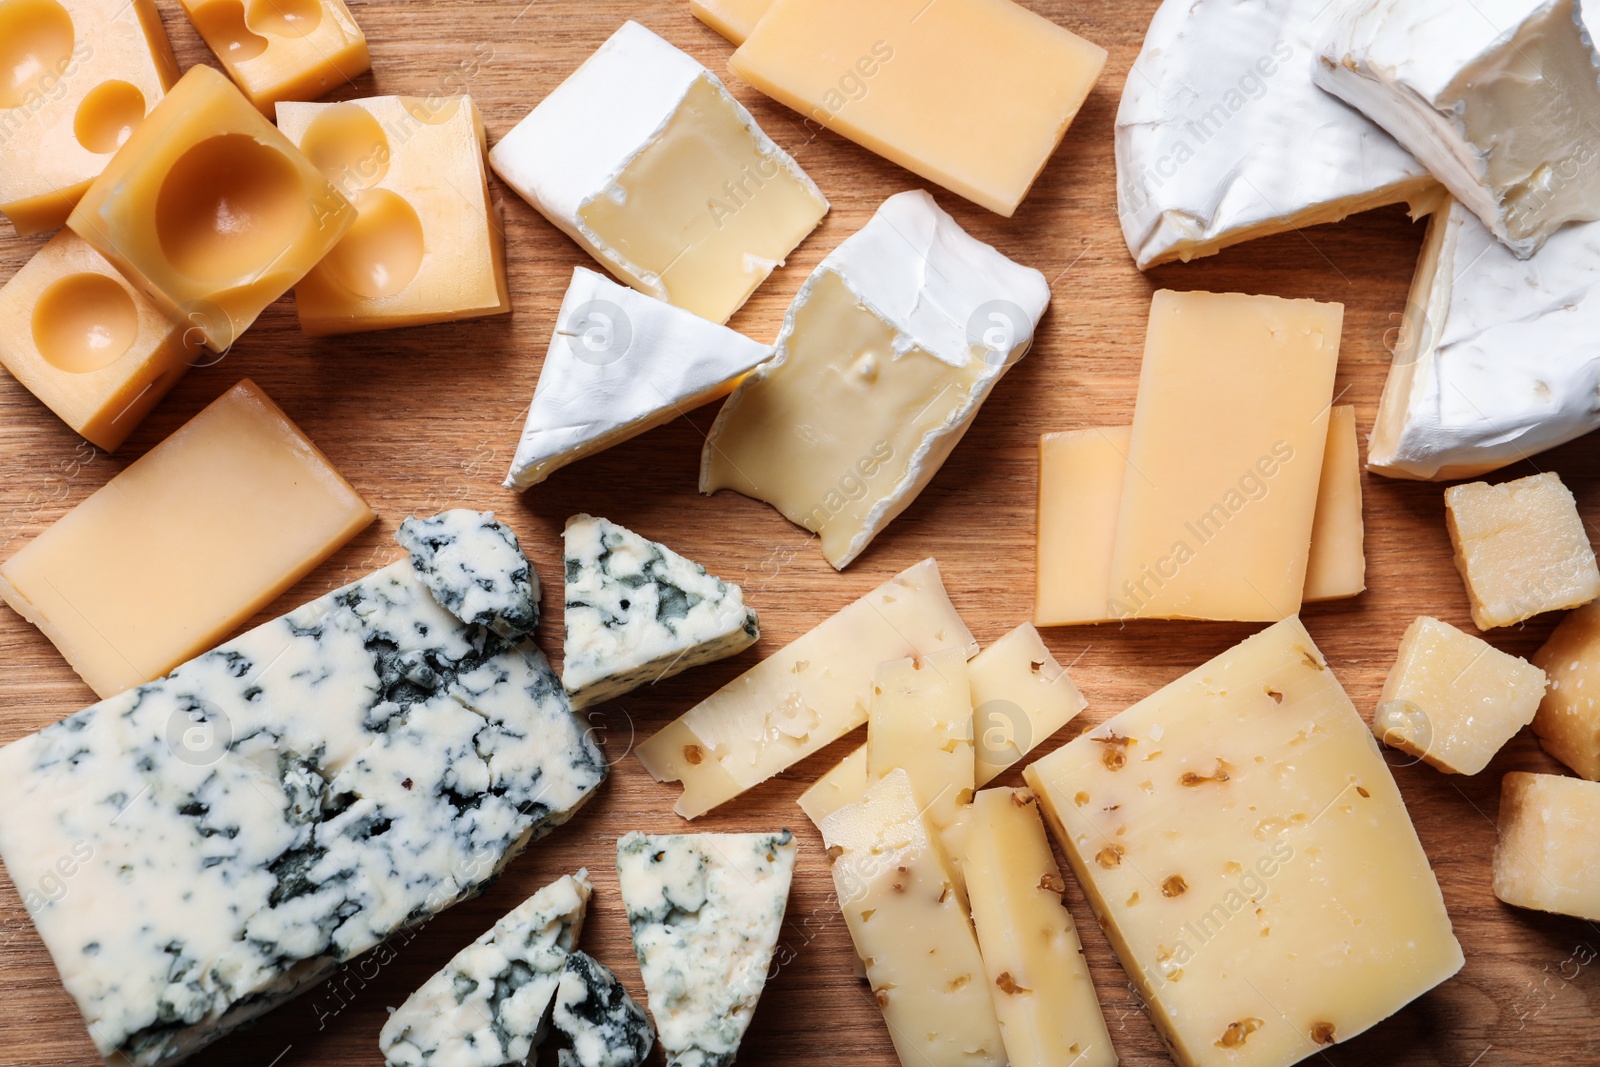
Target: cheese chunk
{"type": "Point", "coordinates": [184, 545]}
{"type": "Point", "coordinates": [706, 911]}
{"type": "Point", "coordinates": [283, 49]}
{"type": "Point", "coordinates": [211, 211]}
{"type": "Point", "coordinates": [1494, 361]}
{"type": "Point", "coordinates": [974, 95]}
{"type": "Point", "coordinates": [885, 356]}
{"type": "Point", "coordinates": [486, 1007]}
{"type": "Point", "coordinates": [1454, 701]}
{"type": "Point", "coordinates": [1225, 459]}
{"type": "Point", "coordinates": [1568, 721]}
{"type": "Point", "coordinates": [86, 343]}
{"type": "Point", "coordinates": [805, 696]}
{"type": "Point", "coordinates": [306, 791]}
{"type": "Point", "coordinates": [1544, 856]}
{"type": "Point", "coordinates": [921, 723]}
{"type": "Point", "coordinates": [1020, 697]}
{"type": "Point", "coordinates": [1081, 474]}
{"type": "Point", "coordinates": [638, 612]}
{"type": "Point", "coordinates": [595, 1014]}
{"type": "Point", "coordinates": [643, 158]}
{"type": "Point", "coordinates": [846, 783]}
{"type": "Point", "coordinates": [1223, 137]}
{"type": "Point", "coordinates": [1336, 568]}
{"type": "Point", "coordinates": [1497, 101]}
{"type": "Point", "coordinates": [734, 19]}
{"type": "Point", "coordinates": [1237, 819]}
{"type": "Point", "coordinates": [1521, 548]}
{"type": "Point", "coordinates": [620, 364]}
{"type": "Point", "coordinates": [427, 245]}
{"type": "Point", "coordinates": [474, 566]}
{"type": "Point", "coordinates": [1043, 993]}
{"type": "Point", "coordinates": [898, 896]}
{"type": "Point", "coordinates": [76, 77]}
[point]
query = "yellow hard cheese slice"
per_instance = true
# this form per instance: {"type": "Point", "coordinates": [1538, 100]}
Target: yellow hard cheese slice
{"type": "Point", "coordinates": [921, 723]}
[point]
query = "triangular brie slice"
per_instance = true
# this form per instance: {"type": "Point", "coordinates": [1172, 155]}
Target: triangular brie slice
{"type": "Point", "coordinates": [705, 911]}
{"type": "Point", "coordinates": [638, 612]}
{"type": "Point", "coordinates": [621, 363]}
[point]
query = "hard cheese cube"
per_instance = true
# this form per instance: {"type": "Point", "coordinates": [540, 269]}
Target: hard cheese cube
{"type": "Point", "coordinates": [1453, 700]}
{"type": "Point", "coordinates": [1020, 697]}
{"type": "Point", "coordinates": [972, 94]}
{"type": "Point", "coordinates": [427, 245]}
{"type": "Point", "coordinates": [1545, 856]}
{"type": "Point", "coordinates": [1251, 859]}
{"type": "Point", "coordinates": [195, 537]}
{"type": "Point", "coordinates": [1568, 722]}
{"type": "Point", "coordinates": [921, 723]}
{"type": "Point", "coordinates": [1521, 548]}
{"type": "Point", "coordinates": [86, 343]}
{"type": "Point", "coordinates": [283, 49]}
{"type": "Point", "coordinates": [211, 211]}
{"type": "Point", "coordinates": [643, 158]}
{"type": "Point", "coordinates": [76, 77]}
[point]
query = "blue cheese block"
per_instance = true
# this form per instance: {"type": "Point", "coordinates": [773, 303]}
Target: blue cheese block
{"type": "Point", "coordinates": [487, 1007]}
{"type": "Point", "coordinates": [475, 568]}
{"type": "Point", "coordinates": [705, 910]}
{"type": "Point", "coordinates": [638, 612]}
{"type": "Point", "coordinates": [604, 1025]}
{"type": "Point", "coordinates": [281, 805]}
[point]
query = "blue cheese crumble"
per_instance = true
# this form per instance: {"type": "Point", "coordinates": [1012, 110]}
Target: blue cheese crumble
{"type": "Point", "coordinates": [475, 568]}
{"type": "Point", "coordinates": [605, 1026]}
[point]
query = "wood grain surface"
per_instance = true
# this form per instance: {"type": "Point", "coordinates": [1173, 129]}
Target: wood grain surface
{"type": "Point", "coordinates": [428, 418]}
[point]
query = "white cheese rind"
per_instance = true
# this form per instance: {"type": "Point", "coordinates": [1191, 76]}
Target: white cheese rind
{"type": "Point", "coordinates": [474, 566]}
{"type": "Point", "coordinates": [1222, 136]}
{"type": "Point", "coordinates": [1497, 358]}
{"type": "Point", "coordinates": [637, 612]}
{"type": "Point", "coordinates": [283, 804]}
{"type": "Point", "coordinates": [604, 1025]}
{"type": "Point", "coordinates": [620, 364]}
{"type": "Point", "coordinates": [487, 1006]}
{"type": "Point", "coordinates": [706, 911]}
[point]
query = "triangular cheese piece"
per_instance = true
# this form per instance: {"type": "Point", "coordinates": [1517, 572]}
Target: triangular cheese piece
{"type": "Point", "coordinates": [621, 363]}
{"type": "Point", "coordinates": [638, 612]}
{"type": "Point", "coordinates": [604, 1026]}
{"type": "Point", "coordinates": [705, 910]}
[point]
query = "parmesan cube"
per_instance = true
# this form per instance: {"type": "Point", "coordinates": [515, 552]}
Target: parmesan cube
{"type": "Point", "coordinates": [1545, 858]}
{"type": "Point", "coordinates": [1568, 722]}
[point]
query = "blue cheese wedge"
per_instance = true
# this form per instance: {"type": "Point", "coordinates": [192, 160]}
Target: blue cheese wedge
{"type": "Point", "coordinates": [488, 1005]}
{"type": "Point", "coordinates": [605, 1026]}
{"type": "Point", "coordinates": [638, 612]}
{"type": "Point", "coordinates": [283, 804]}
{"type": "Point", "coordinates": [474, 566]}
{"type": "Point", "coordinates": [705, 910]}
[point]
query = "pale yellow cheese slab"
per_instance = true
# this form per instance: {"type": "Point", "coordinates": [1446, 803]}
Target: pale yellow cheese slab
{"type": "Point", "coordinates": [1336, 569]}
{"type": "Point", "coordinates": [187, 543]}
{"type": "Point", "coordinates": [734, 19]}
{"type": "Point", "coordinates": [921, 723]}
{"type": "Point", "coordinates": [844, 784]}
{"type": "Point", "coordinates": [1020, 697]}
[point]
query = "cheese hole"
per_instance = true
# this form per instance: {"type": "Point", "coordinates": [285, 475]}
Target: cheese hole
{"type": "Point", "coordinates": [285, 18]}
{"type": "Point", "coordinates": [383, 251]}
{"type": "Point", "coordinates": [222, 24]}
{"type": "Point", "coordinates": [348, 146]}
{"type": "Point", "coordinates": [84, 322]}
{"type": "Point", "coordinates": [108, 115]}
{"type": "Point", "coordinates": [228, 208]}
{"type": "Point", "coordinates": [36, 39]}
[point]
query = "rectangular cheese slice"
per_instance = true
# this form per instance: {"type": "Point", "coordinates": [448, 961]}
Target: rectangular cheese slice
{"type": "Point", "coordinates": [899, 899]}
{"type": "Point", "coordinates": [843, 785]}
{"type": "Point", "coordinates": [1544, 855]}
{"type": "Point", "coordinates": [1020, 697]}
{"type": "Point", "coordinates": [1081, 474]}
{"type": "Point", "coordinates": [805, 696]}
{"type": "Point", "coordinates": [1336, 568]}
{"type": "Point", "coordinates": [1225, 459]}
{"type": "Point", "coordinates": [1237, 819]}
{"type": "Point", "coordinates": [184, 545]}
{"type": "Point", "coordinates": [734, 19]}
{"type": "Point", "coordinates": [1568, 721]}
{"type": "Point", "coordinates": [921, 723]}
{"type": "Point", "coordinates": [974, 95]}
{"type": "Point", "coordinates": [1043, 993]}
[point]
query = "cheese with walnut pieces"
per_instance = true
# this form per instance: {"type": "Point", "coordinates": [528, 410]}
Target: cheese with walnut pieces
{"type": "Point", "coordinates": [475, 567]}
{"type": "Point", "coordinates": [706, 910]}
{"type": "Point", "coordinates": [604, 1026]}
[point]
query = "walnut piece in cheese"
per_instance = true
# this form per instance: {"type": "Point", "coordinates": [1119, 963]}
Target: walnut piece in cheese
{"type": "Point", "coordinates": [594, 1012]}
{"type": "Point", "coordinates": [474, 566]}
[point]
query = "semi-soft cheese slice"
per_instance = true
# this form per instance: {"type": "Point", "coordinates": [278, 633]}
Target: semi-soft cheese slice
{"type": "Point", "coordinates": [734, 19]}
{"type": "Point", "coordinates": [1039, 982]}
{"type": "Point", "coordinates": [972, 94]}
{"type": "Point", "coordinates": [619, 364]}
{"type": "Point", "coordinates": [1240, 819]}
{"type": "Point", "coordinates": [921, 723]}
{"type": "Point", "coordinates": [706, 911]}
{"type": "Point", "coordinates": [1568, 721]}
{"type": "Point", "coordinates": [643, 158]}
{"type": "Point", "coordinates": [1336, 568]}
{"type": "Point", "coordinates": [1020, 697]}
{"type": "Point", "coordinates": [1223, 137]}
{"type": "Point", "coordinates": [1544, 856]}
{"type": "Point", "coordinates": [844, 784]}
{"type": "Point", "coordinates": [184, 545]}
{"type": "Point", "coordinates": [1225, 460]}
{"type": "Point", "coordinates": [805, 696]}
{"type": "Point", "coordinates": [886, 355]}
{"type": "Point", "coordinates": [899, 899]}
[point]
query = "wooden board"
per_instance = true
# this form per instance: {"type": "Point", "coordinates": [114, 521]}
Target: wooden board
{"type": "Point", "coordinates": [425, 419]}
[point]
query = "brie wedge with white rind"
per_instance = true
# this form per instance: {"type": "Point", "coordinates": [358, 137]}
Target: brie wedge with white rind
{"type": "Point", "coordinates": [886, 355]}
{"type": "Point", "coordinates": [1222, 137]}
{"type": "Point", "coordinates": [643, 158]}
{"type": "Point", "coordinates": [1498, 358]}
{"type": "Point", "coordinates": [1499, 98]}
{"type": "Point", "coordinates": [621, 364]}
